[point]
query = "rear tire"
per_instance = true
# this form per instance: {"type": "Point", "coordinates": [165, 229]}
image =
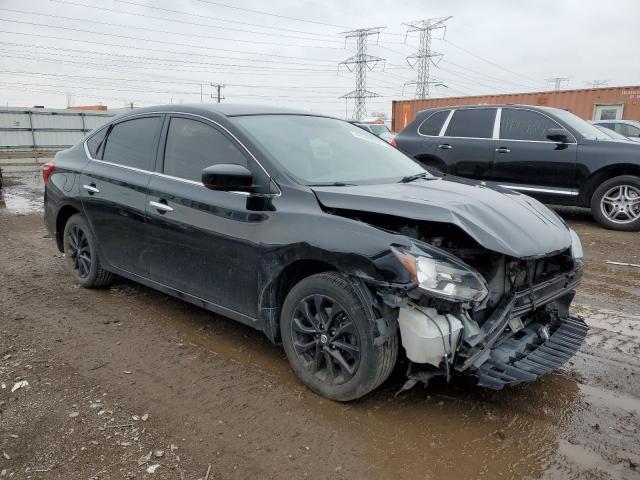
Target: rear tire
{"type": "Point", "coordinates": [328, 336]}
{"type": "Point", "coordinates": [615, 204]}
{"type": "Point", "coordinates": [82, 256]}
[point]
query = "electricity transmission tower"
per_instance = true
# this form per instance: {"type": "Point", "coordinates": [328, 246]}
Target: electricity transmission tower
{"type": "Point", "coordinates": [597, 83]}
{"type": "Point", "coordinates": [557, 82]}
{"type": "Point", "coordinates": [422, 60]}
{"type": "Point", "coordinates": [219, 88]}
{"type": "Point", "coordinates": [360, 63]}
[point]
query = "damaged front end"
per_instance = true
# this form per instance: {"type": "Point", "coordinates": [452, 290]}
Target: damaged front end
{"type": "Point", "coordinates": [475, 312]}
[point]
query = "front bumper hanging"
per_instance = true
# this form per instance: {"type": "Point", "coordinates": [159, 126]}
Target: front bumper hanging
{"type": "Point", "coordinates": [536, 359]}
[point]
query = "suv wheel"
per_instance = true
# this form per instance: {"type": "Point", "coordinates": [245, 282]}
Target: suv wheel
{"type": "Point", "coordinates": [82, 258]}
{"type": "Point", "coordinates": [616, 203]}
{"type": "Point", "coordinates": [328, 336]}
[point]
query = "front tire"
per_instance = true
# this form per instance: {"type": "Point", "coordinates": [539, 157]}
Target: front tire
{"type": "Point", "coordinates": [328, 336]}
{"type": "Point", "coordinates": [616, 203]}
{"type": "Point", "coordinates": [82, 257]}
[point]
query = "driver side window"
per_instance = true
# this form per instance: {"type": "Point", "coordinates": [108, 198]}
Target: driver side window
{"type": "Point", "coordinates": [193, 145]}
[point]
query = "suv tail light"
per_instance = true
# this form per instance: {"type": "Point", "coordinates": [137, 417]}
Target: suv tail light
{"type": "Point", "coordinates": [47, 170]}
{"type": "Point", "coordinates": [393, 142]}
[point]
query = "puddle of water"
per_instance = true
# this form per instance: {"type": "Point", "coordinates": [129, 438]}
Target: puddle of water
{"type": "Point", "coordinates": [22, 194]}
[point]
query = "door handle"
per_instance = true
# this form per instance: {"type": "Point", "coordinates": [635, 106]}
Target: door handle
{"type": "Point", "coordinates": [445, 146]}
{"type": "Point", "coordinates": [91, 188]}
{"type": "Point", "coordinates": [503, 150]}
{"type": "Point", "coordinates": [161, 207]}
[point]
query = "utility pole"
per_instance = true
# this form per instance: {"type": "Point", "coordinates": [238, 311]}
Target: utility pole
{"type": "Point", "coordinates": [597, 83]}
{"type": "Point", "coordinates": [200, 93]}
{"type": "Point", "coordinates": [219, 87]}
{"type": "Point", "coordinates": [360, 63]}
{"type": "Point", "coordinates": [422, 60]}
{"type": "Point", "coordinates": [557, 82]}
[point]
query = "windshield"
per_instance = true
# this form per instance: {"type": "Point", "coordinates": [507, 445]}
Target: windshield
{"type": "Point", "coordinates": [318, 150]}
{"type": "Point", "coordinates": [378, 129]}
{"type": "Point", "coordinates": [583, 127]}
{"type": "Point", "coordinates": [611, 133]}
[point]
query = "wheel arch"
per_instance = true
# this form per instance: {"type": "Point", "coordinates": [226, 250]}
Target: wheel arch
{"type": "Point", "coordinates": [64, 214]}
{"type": "Point", "coordinates": [596, 178]}
{"type": "Point", "coordinates": [275, 292]}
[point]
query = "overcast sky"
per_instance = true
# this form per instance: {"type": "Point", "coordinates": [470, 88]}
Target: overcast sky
{"type": "Point", "coordinates": [286, 52]}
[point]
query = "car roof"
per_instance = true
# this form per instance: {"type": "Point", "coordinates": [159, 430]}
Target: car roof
{"type": "Point", "coordinates": [491, 105]}
{"type": "Point", "coordinates": [224, 109]}
{"type": "Point", "coordinates": [628, 122]}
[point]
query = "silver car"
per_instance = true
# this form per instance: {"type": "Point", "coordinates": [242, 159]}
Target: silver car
{"type": "Point", "coordinates": [628, 128]}
{"type": "Point", "coordinates": [378, 129]}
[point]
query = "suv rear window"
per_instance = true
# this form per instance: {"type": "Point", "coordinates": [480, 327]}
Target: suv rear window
{"type": "Point", "coordinates": [433, 124]}
{"type": "Point", "coordinates": [468, 122]}
{"type": "Point", "coordinates": [134, 143]}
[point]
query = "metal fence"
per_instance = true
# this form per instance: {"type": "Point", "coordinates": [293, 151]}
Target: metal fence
{"type": "Point", "coordinates": [40, 128]}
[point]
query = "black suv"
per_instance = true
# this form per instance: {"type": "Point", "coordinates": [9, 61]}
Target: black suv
{"type": "Point", "coordinates": [326, 238]}
{"type": "Point", "coordinates": [544, 152]}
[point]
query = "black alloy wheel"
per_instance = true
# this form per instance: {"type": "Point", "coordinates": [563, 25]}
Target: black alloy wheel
{"type": "Point", "coordinates": [79, 251]}
{"type": "Point", "coordinates": [326, 339]}
{"type": "Point", "coordinates": [331, 337]}
{"type": "Point", "coordinates": [82, 256]}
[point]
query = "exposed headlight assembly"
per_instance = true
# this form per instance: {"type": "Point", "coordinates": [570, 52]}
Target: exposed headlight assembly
{"type": "Point", "coordinates": [444, 277]}
{"type": "Point", "coordinates": [576, 248]}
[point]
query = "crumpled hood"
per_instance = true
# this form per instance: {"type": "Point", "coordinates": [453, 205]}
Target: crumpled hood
{"type": "Point", "coordinates": [500, 220]}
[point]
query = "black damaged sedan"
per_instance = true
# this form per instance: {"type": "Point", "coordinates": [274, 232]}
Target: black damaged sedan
{"type": "Point", "coordinates": [324, 237]}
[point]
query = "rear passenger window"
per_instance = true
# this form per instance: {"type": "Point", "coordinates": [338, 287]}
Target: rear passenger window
{"type": "Point", "coordinates": [95, 142]}
{"type": "Point", "coordinates": [192, 146]}
{"type": "Point", "coordinates": [524, 125]}
{"type": "Point", "coordinates": [433, 124]}
{"type": "Point", "coordinates": [134, 143]}
{"type": "Point", "coordinates": [477, 123]}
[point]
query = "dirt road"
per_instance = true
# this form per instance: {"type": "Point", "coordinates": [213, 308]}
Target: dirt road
{"type": "Point", "coordinates": [118, 374]}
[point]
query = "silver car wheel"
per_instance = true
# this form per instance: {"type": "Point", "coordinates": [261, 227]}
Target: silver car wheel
{"type": "Point", "coordinates": [621, 204]}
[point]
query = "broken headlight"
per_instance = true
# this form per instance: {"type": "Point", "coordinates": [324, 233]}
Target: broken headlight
{"type": "Point", "coordinates": [444, 277]}
{"type": "Point", "coordinates": [576, 248]}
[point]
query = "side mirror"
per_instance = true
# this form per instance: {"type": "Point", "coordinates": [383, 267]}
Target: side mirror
{"type": "Point", "coordinates": [558, 135]}
{"type": "Point", "coordinates": [227, 177]}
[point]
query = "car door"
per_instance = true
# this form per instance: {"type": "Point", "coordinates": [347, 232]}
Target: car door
{"type": "Point", "coordinates": [525, 156]}
{"type": "Point", "coordinates": [467, 146]}
{"type": "Point", "coordinates": [114, 189]}
{"type": "Point", "coordinates": [203, 242]}
{"type": "Point", "coordinates": [421, 138]}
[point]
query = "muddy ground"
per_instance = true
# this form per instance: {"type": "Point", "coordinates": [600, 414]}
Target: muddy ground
{"type": "Point", "coordinates": [124, 379]}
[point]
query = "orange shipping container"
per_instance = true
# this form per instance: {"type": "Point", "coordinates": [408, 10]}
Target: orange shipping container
{"type": "Point", "coordinates": [589, 103]}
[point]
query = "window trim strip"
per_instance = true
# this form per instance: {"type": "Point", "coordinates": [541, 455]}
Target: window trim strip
{"type": "Point", "coordinates": [129, 117]}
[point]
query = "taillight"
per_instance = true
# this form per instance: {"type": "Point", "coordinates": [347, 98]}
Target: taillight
{"type": "Point", "coordinates": [393, 142]}
{"type": "Point", "coordinates": [47, 170]}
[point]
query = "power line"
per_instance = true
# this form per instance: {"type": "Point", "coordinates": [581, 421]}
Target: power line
{"type": "Point", "coordinates": [190, 45]}
{"type": "Point", "coordinates": [174, 82]}
{"type": "Point", "coordinates": [423, 58]}
{"type": "Point", "coordinates": [597, 83]}
{"type": "Point", "coordinates": [262, 12]}
{"type": "Point", "coordinates": [213, 18]}
{"type": "Point", "coordinates": [194, 35]}
{"type": "Point", "coordinates": [361, 62]}
{"type": "Point", "coordinates": [497, 65]}
{"type": "Point", "coordinates": [165, 60]}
